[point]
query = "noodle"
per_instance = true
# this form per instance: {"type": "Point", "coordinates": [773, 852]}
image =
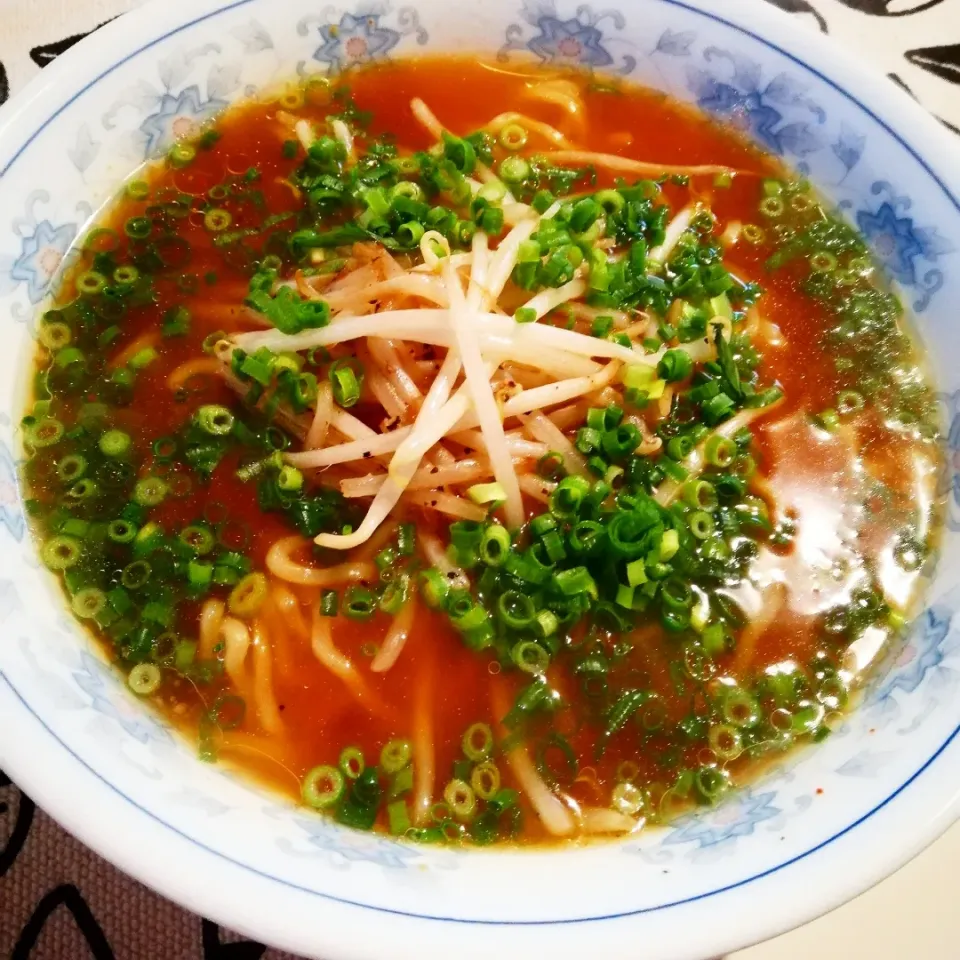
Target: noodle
{"type": "Point", "coordinates": [773, 598]}
{"type": "Point", "coordinates": [326, 652]}
{"type": "Point", "coordinates": [424, 749]}
{"type": "Point", "coordinates": [396, 638]}
{"type": "Point", "coordinates": [282, 565]}
{"type": "Point", "coordinates": [639, 168]}
{"type": "Point", "coordinates": [268, 713]}
{"type": "Point", "coordinates": [537, 126]}
{"type": "Point", "coordinates": [198, 366]}
{"type": "Point", "coordinates": [447, 503]}
{"type": "Point", "coordinates": [553, 814]}
{"type": "Point", "coordinates": [600, 820]}
{"type": "Point", "coordinates": [236, 640]}
{"type": "Point", "coordinates": [211, 618]}
{"type": "Point", "coordinates": [322, 414]}
{"type": "Point", "coordinates": [539, 427]}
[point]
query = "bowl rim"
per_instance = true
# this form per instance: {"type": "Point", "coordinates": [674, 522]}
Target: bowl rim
{"type": "Point", "coordinates": [890, 108]}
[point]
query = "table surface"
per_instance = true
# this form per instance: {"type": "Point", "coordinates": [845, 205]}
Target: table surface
{"type": "Point", "coordinates": [58, 901]}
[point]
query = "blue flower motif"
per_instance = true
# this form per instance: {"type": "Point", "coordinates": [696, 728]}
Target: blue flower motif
{"type": "Point", "coordinates": [738, 817]}
{"type": "Point", "coordinates": [676, 44]}
{"type": "Point", "coordinates": [950, 481]}
{"type": "Point", "coordinates": [569, 41]}
{"type": "Point", "coordinates": [745, 111]}
{"type": "Point", "coordinates": [11, 516]}
{"type": "Point", "coordinates": [178, 117]}
{"type": "Point", "coordinates": [760, 110]}
{"type": "Point", "coordinates": [893, 241]}
{"type": "Point", "coordinates": [41, 253]}
{"type": "Point", "coordinates": [355, 40]}
{"type": "Point", "coordinates": [849, 147]}
{"type": "Point", "coordinates": [358, 846]}
{"type": "Point", "coordinates": [96, 680]}
{"type": "Point", "coordinates": [932, 641]}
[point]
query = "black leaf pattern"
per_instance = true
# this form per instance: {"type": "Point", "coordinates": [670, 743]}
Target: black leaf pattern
{"type": "Point", "coordinates": [943, 62]}
{"type": "Point", "coordinates": [66, 895]}
{"type": "Point", "coordinates": [4, 84]}
{"type": "Point", "coordinates": [46, 53]}
{"type": "Point", "coordinates": [801, 6]}
{"type": "Point", "coordinates": [22, 820]}
{"type": "Point", "coordinates": [213, 949]}
{"type": "Point", "coordinates": [891, 8]}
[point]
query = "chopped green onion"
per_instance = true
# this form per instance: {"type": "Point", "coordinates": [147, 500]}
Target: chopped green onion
{"type": "Point", "coordinates": [90, 282]}
{"type": "Point", "coordinates": [712, 783]}
{"type": "Point", "coordinates": [216, 220]}
{"type": "Point", "coordinates": [115, 443]}
{"type": "Point", "coordinates": [461, 799]}
{"type": "Point", "coordinates": [675, 365]}
{"type": "Point", "coordinates": [481, 493]}
{"type": "Point", "coordinates": [398, 818]}
{"type": "Point", "coordinates": [329, 603]}
{"type": "Point", "coordinates": [322, 787]}
{"type": "Point", "coordinates": [351, 762]}
{"type": "Point", "coordinates": [701, 524]}
{"type": "Point", "coordinates": [289, 479]}
{"type": "Point", "coordinates": [720, 451]}
{"type": "Point", "coordinates": [546, 623]}
{"type": "Point", "coordinates": [530, 657]}
{"type": "Point", "coordinates": [121, 531]}
{"type": "Point", "coordinates": [345, 383]}
{"type": "Point", "coordinates": [45, 432]}
{"type": "Point", "coordinates": [513, 137]}
{"type": "Point", "coordinates": [726, 741]}
{"type": "Point", "coordinates": [150, 491]}
{"type": "Point", "coordinates": [248, 596]}
{"type": "Point", "coordinates": [478, 742]}
{"type": "Point", "coordinates": [214, 419]}
{"type": "Point", "coordinates": [359, 603]}
{"type": "Point", "coordinates": [739, 707]}
{"type": "Point", "coordinates": [434, 588]}
{"type": "Point", "coordinates": [144, 679]}
{"type": "Point", "coordinates": [88, 603]}
{"type": "Point", "coordinates": [71, 467]}
{"type": "Point", "coordinates": [566, 499]}
{"type": "Point", "coordinates": [181, 154]}
{"type": "Point", "coordinates": [514, 169]}
{"type": "Point", "coordinates": [494, 545]}
{"type": "Point", "coordinates": [485, 780]}
{"type": "Point", "coordinates": [135, 575]}
{"type": "Point", "coordinates": [200, 539]}
{"type": "Point", "coordinates": [395, 755]}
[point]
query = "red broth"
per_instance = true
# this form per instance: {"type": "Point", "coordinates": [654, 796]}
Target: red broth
{"type": "Point", "coordinates": [813, 471]}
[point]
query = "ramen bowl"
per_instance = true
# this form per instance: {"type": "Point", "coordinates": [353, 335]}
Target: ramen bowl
{"type": "Point", "coordinates": [810, 834]}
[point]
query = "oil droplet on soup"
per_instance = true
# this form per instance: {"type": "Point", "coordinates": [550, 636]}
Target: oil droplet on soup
{"type": "Point", "coordinates": [480, 455]}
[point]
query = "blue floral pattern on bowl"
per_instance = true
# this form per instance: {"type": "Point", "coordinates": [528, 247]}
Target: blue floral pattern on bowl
{"type": "Point", "coordinates": [897, 242]}
{"type": "Point", "coordinates": [178, 117]}
{"type": "Point", "coordinates": [353, 39]}
{"type": "Point", "coordinates": [12, 522]}
{"type": "Point", "coordinates": [573, 41]}
{"type": "Point", "coordinates": [43, 246]}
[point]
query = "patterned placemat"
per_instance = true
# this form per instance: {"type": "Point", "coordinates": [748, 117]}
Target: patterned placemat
{"type": "Point", "coordinates": [59, 901]}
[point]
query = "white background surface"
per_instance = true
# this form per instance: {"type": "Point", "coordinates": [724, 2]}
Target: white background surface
{"type": "Point", "coordinates": [913, 915]}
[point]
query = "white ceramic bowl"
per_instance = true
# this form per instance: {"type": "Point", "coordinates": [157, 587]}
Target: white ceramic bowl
{"type": "Point", "coordinates": [815, 833]}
